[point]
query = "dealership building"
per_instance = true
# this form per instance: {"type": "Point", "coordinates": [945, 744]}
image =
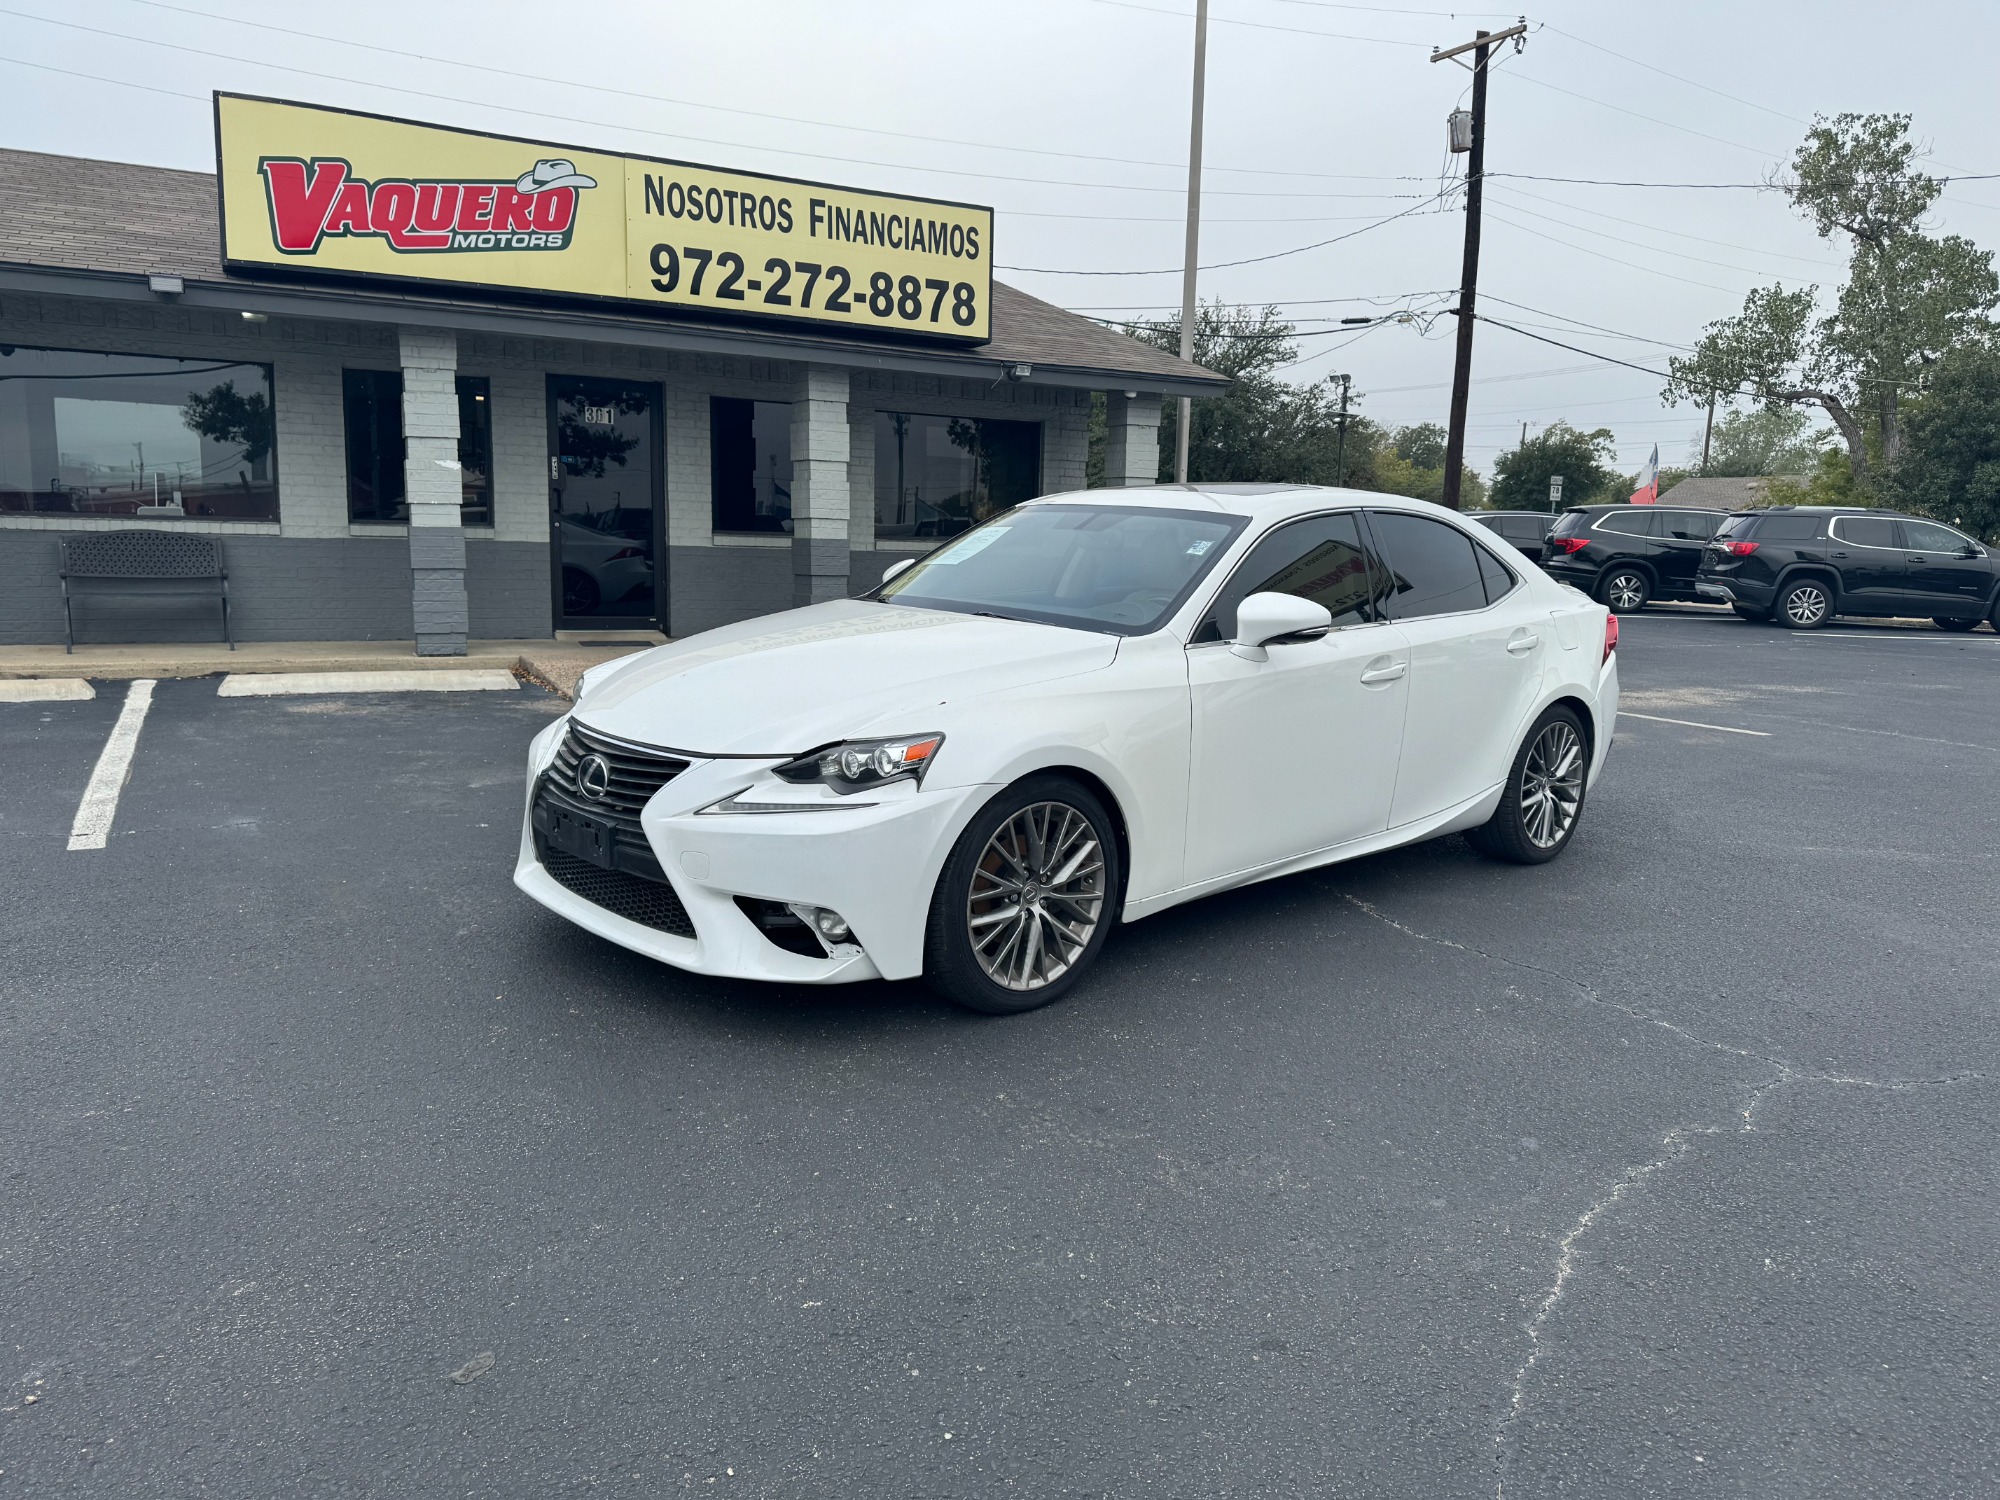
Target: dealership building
{"type": "Point", "coordinates": [425, 385]}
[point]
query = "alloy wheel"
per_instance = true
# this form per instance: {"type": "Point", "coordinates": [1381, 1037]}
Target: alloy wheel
{"type": "Point", "coordinates": [1036, 897]}
{"type": "Point", "coordinates": [1625, 591]}
{"type": "Point", "coordinates": [1552, 785]}
{"type": "Point", "coordinates": [1806, 604]}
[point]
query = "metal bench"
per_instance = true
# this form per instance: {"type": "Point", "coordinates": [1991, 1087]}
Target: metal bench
{"type": "Point", "coordinates": [135, 557]}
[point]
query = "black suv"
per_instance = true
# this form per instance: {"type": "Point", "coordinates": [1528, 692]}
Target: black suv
{"type": "Point", "coordinates": [1803, 564]}
{"type": "Point", "coordinates": [1624, 555]}
{"type": "Point", "coordinates": [1525, 530]}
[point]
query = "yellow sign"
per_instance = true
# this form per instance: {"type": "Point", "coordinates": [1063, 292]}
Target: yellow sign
{"type": "Point", "coordinates": [305, 188]}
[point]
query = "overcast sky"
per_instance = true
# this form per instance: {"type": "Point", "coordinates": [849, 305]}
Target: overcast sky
{"type": "Point", "coordinates": [1070, 117]}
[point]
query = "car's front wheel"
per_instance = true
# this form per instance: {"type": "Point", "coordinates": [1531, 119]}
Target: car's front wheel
{"type": "Point", "coordinates": [1805, 605]}
{"type": "Point", "coordinates": [1537, 813]}
{"type": "Point", "coordinates": [1626, 590]}
{"type": "Point", "coordinates": [1026, 900]}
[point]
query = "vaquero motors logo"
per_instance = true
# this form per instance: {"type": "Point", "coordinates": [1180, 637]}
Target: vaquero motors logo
{"type": "Point", "coordinates": [322, 199]}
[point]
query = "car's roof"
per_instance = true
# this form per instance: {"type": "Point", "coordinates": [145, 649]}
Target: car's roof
{"type": "Point", "coordinates": [1480, 515]}
{"type": "Point", "coordinates": [1826, 510]}
{"type": "Point", "coordinates": [1712, 510]}
{"type": "Point", "coordinates": [1262, 502]}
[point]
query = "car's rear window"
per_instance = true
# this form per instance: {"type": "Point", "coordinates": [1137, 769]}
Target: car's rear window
{"type": "Point", "coordinates": [1569, 523]}
{"type": "Point", "coordinates": [1736, 526]}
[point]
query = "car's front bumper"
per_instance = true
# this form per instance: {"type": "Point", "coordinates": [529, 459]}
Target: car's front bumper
{"type": "Point", "coordinates": [876, 863]}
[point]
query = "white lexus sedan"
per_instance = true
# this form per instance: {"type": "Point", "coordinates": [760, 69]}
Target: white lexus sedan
{"type": "Point", "coordinates": [1090, 709]}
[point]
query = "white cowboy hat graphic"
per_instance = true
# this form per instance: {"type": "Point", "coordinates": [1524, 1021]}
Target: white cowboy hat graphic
{"type": "Point", "coordinates": [553, 174]}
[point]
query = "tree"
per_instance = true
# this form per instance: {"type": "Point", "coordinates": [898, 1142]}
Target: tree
{"type": "Point", "coordinates": [1909, 298]}
{"type": "Point", "coordinates": [1521, 475]}
{"type": "Point", "coordinates": [1950, 464]}
{"type": "Point", "coordinates": [1769, 440]}
{"type": "Point", "coordinates": [223, 415]}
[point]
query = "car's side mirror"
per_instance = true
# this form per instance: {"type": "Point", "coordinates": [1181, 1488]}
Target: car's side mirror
{"type": "Point", "coordinates": [1264, 618]}
{"type": "Point", "coordinates": [1969, 550]}
{"type": "Point", "coordinates": [901, 567]}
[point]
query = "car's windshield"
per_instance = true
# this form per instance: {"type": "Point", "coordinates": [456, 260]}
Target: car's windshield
{"type": "Point", "coordinates": [1117, 568]}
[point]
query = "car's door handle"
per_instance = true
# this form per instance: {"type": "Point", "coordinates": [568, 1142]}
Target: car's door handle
{"type": "Point", "coordinates": [1840, 554]}
{"type": "Point", "coordinates": [1522, 643]}
{"type": "Point", "coordinates": [1385, 674]}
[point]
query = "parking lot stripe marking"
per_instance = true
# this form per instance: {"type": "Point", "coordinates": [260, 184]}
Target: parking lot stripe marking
{"type": "Point", "coordinates": [45, 690]}
{"type": "Point", "coordinates": [100, 799]}
{"type": "Point", "coordinates": [1762, 734]}
{"type": "Point", "coordinates": [289, 684]}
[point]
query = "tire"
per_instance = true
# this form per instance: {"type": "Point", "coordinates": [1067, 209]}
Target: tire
{"type": "Point", "coordinates": [1625, 590]}
{"type": "Point", "coordinates": [580, 593]}
{"type": "Point", "coordinates": [1805, 604]}
{"type": "Point", "coordinates": [1954, 623]}
{"type": "Point", "coordinates": [1754, 616]}
{"type": "Point", "coordinates": [1539, 811]}
{"type": "Point", "coordinates": [1014, 961]}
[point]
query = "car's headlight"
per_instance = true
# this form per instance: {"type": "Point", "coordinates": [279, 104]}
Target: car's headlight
{"type": "Point", "coordinates": [862, 765]}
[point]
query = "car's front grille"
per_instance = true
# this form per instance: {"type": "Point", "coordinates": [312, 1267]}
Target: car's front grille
{"type": "Point", "coordinates": [650, 903]}
{"type": "Point", "coordinates": [635, 773]}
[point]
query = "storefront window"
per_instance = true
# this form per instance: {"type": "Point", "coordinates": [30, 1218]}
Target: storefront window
{"type": "Point", "coordinates": [135, 435]}
{"type": "Point", "coordinates": [938, 476]}
{"type": "Point", "coordinates": [750, 443]}
{"type": "Point", "coordinates": [373, 405]}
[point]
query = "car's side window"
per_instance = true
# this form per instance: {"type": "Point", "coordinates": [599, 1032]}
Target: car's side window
{"type": "Point", "coordinates": [1928, 536]}
{"type": "Point", "coordinates": [1496, 575]}
{"type": "Point", "coordinates": [1433, 566]}
{"type": "Point", "coordinates": [1321, 558]}
{"type": "Point", "coordinates": [1640, 522]}
{"type": "Point", "coordinates": [1866, 531]}
{"type": "Point", "coordinates": [1687, 525]}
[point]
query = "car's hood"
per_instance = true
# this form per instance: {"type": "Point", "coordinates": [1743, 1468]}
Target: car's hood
{"type": "Point", "coordinates": [787, 683]}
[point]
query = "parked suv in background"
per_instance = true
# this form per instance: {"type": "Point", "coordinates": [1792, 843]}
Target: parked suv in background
{"type": "Point", "coordinates": [1525, 530]}
{"type": "Point", "coordinates": [1803, 564]}
{"type": "Point", "coordinates": [1625, 555]}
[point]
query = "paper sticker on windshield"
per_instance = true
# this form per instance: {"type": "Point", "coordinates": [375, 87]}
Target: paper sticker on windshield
{"type": "Point", "coordinates": [978, 542]}
{"type": "Point", "coordinates": [1200, 549]}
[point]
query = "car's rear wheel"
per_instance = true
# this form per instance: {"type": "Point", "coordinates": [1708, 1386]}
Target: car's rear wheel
{"type": "Point", "coordinates": [1538, 812]}
{"type": "Point", "coordinates": [1625, 590]}
{"type": "Point", "coordinates": [1954, 623]}
{"type": "Point", "coordinates": [1804, 605]}
{"type": "Point", "coordinates": [1747, 612]}
{"type": "Point", "coordinates": [1026, 900]}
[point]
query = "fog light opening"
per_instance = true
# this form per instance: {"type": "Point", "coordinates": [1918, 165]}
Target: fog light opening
{"type": "Point", "coordinates": [829, 924]}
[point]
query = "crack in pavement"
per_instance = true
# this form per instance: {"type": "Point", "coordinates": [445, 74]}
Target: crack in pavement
{"type": "Point", "coordinates": [1676, 1143]}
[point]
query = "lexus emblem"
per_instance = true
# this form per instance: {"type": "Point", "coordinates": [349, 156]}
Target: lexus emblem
{"type": "Point", "coordinates": [593, 776]}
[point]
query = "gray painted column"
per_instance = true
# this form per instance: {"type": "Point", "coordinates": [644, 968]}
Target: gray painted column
{"type": "Point", "coordinates": [431, 481]}
{"type": "Point", "coordinates": [1132, 439]}
{"type": "Point", "coordinates": [820, 498]}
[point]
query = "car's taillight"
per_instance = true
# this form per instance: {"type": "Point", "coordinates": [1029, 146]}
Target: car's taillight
{"type": "Point", "coordinates": [1740, 549]}
{"type": "Point", "coordinates": [1569, 543]}
{"type": "Point", "coordinates": [1610, 638]}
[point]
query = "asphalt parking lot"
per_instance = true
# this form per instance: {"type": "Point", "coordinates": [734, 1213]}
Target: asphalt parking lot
{"type": "Point", "coordinates": [1668, 1168]}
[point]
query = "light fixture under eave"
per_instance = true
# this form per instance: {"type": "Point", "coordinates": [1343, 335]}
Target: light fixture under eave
{"type": "Point", "coordinates": [255, 317]}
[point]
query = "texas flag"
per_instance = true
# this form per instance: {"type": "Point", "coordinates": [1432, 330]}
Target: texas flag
{"type": "Point", "coordinates": [1648, 492]}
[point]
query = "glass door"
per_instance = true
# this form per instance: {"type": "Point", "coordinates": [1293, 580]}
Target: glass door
{"type": "Point", "coordinates": [606, 503]}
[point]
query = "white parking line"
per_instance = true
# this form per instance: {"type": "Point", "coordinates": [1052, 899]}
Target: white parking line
{"type": "Point", "coordinates": [45, 690]}
{"type": "Point", "coordinates": [100, 799]}
{"type": "Point", "coordinates": [1761, 734]}
{"type": "Point", "coordinates": [288, 684]}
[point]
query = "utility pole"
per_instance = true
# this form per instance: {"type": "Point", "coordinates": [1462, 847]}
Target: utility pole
{"type": "Point", "coordinates": [1708, 432]}
{"type": "Point", "coordinates": [1340, 453]}
{"type": "Point", "coordinates": [1468, 282]}
{"type": "Point", "coordinates": [1185, 408]}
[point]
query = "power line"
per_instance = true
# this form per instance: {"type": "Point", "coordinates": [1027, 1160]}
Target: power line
{"type": "Point", "coordinates": [1338, 36]}
{"type": "Point", "coordinates": [1680, 234]}
{"type": "Point", "coordinates": [1630, 264]}
{"type": "Point", "coordinates": [1649, 119]}
{"type": "Point", "coordinates": [1700, 260]}
{"type": "Point", "coordinates": [1573, 348]}
{"type": "Point", "coordinates": [1654, 67]}
{"type": "Point", "coordinates": [1222, 265]}
{"type": "Point", "coordinates": [755, 114]}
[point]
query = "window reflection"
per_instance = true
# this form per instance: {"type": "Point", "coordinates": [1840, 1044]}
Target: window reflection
{"type": "Point", "coordinates": [938, 476]}
{"type": "Point", "coordinates": [136, 435]}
